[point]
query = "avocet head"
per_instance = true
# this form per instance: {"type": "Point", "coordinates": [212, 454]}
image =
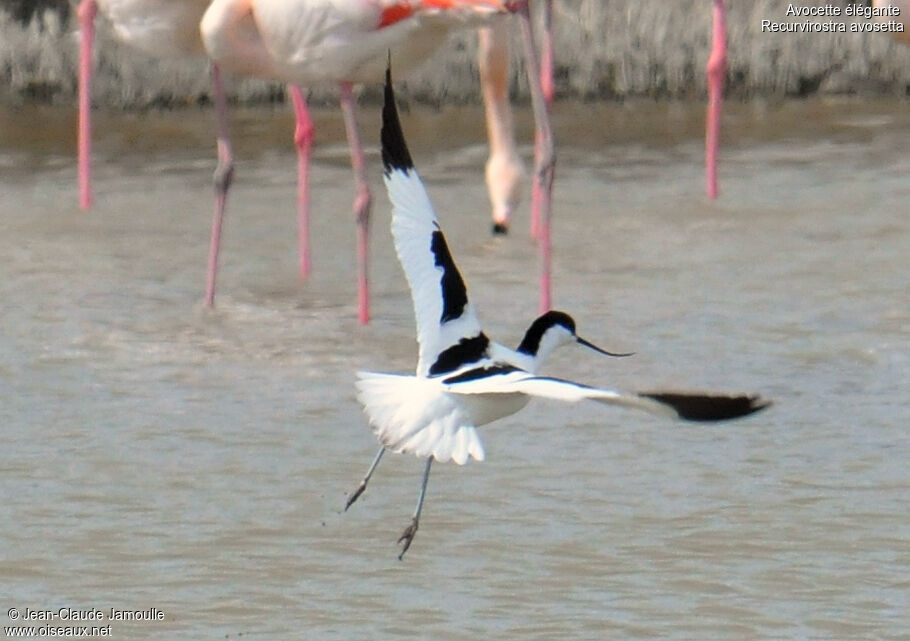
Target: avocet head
{"type": "Point", "coordinates": [553, 330]}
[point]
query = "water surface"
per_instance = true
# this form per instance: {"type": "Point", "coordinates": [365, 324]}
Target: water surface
{"type": "Point", "coordinates": [157, 454]}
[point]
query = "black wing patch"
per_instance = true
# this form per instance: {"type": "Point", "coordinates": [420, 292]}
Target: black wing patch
{"type": "Point", "coordinates": [465, 352]}
{"type": "Point", "coordinates": [454, 292]}
{"type": "Point", "coordinates": [703, 407]}
{"type": "Point", "coordinates": [395, 154]}
{"type": "Point", "coordinates": [481, 372]}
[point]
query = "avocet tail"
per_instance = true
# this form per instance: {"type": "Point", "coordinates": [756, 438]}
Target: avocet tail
{"type": "Point", "coordinates": [411, 414]}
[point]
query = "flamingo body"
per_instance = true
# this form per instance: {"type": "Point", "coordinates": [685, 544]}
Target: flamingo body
{"type": "Point", "coordinates": [164, 29]}
{"type": "Point", "coordinates": [331, 41]}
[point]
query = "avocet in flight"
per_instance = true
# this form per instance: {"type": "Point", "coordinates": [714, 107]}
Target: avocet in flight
{"type": "Point", "coordinates": [463, 378]}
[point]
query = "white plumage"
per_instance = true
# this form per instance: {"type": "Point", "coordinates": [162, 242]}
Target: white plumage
{"type": "Point", "coordinates": [413, 225]}
{"type": "Point", "coordinates": [413, 414]}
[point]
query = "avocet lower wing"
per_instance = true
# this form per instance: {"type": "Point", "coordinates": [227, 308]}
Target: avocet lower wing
{"type": "Point", "coordinates": [500, 379]}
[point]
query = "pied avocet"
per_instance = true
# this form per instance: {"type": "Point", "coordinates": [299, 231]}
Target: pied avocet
{"type": "Point", "coordinates": [463, 378]}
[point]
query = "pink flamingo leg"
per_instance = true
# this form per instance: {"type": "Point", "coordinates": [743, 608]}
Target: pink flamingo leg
{"type": "Point", "coordinates": [87, 10]}
{"type": "Point", "coordinates": [545, 158]}
{"type": "Point", "coordinates": [544, 155]}
{"type": "Point", "coordinates": [546, 55]}
{"type": "Point", "coordinates": [717, 65]}
{"type": "Point", "coordinates": [362, 201]}
{"type": "Point", "coordinates": [224, 173]}
{"type": "Point", "coordinates": [303, 141]}
{"type": "Point", "coordinates": [546, 86]}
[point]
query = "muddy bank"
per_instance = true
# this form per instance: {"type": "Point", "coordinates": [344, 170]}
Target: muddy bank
{"type": "Point", "coordinates": [605, 51]}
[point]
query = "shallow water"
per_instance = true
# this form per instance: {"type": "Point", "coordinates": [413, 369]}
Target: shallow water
{"type": "Point", "coordinates": [156, 454]}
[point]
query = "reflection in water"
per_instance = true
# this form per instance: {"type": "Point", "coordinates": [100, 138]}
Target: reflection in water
{"type": "Point", "coordinates": [160, 455]}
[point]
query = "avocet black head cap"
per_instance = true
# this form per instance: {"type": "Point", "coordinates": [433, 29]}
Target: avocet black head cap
{"type": "Point", "coordinates": [551, 330]}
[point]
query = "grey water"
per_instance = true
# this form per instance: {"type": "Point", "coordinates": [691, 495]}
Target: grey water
{"type": "Point", "coordinates": [156, 454]}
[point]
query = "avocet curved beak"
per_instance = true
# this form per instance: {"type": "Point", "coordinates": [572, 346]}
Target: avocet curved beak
{"type": "Point", "coordinates": [582, 341]}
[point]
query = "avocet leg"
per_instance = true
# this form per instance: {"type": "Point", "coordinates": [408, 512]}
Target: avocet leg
{"type": "Point", "coordinates": [366, 479]}
{"type": "Point", "coordinates": [408, 535]}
